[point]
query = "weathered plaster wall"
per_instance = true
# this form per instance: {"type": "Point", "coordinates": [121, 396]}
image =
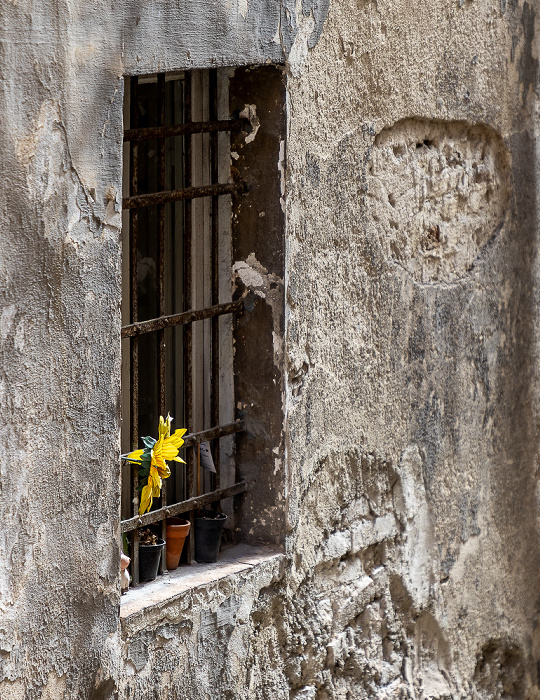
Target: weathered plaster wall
{"type": "Point", "coordinates": [411, 555]}
{"type": "Point", "coordinates": [61, 83]}
{"type": "Point", "coordinates": [60, 262]}
{"type": "Point", "coordinates": [411, 232]}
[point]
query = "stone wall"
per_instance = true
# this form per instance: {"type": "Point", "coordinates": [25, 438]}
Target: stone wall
{"type": "Point", "coordinates": [411, 556]}
{"type": "Point", "coordinates": [412, 285]}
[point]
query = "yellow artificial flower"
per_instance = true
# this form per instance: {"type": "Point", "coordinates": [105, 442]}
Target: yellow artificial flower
{"type": "Point", "coordinates": [150, 491]}
{"type": "Point", "coordinates": [164, 449]}
{"type": "Point", "coordinates": [135, 456]}
{"type": "Point", "coordinates": [167, 446]}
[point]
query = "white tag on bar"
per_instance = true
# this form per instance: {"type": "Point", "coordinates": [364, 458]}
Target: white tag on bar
{"type": "Point", "coordinates": [206, 457]}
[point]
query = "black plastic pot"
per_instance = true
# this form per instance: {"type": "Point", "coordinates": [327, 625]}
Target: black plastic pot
{"type": "Point", "coordinates": [208, 529]}
{"type": "Point", "coordinates": [149, 558]}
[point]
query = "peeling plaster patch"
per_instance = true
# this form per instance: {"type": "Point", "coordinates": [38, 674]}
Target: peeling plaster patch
{"type": "Point", "coordinates": [301, 16]}
{"type": "Point", "coordinates": [367, 533]}
{"type": "Point", "coordinates": [6, 320]}
{"type": "Point", "coordinates": [299, 50]}
{"type": "Point", "coordinates": [12, 689]}
{"type": "Point", "coordinates": [224, 616]}
{"type": "Point", "coordinates": [243, 8]}
{"type": "Point", "coordinates": [53, 182]}
{"type": "Point", "coordinates": [437, 193]}
{"type": "Point", "coordinates": [255, 277]}
{"type": "Point", "coordinates": [139, 652]}
{"type": "Point", "coordinates": [250, 112]}
{"type": "Point", "coordinates": [277, 343]}
{"type": "Point", "coordinates": [338, 544]}
{"type": "Point", "coordinates": [20, 336]}
{"type": "Point", "coordinates": [55, 688]}
{"type": "Point", "coordinates": [411, 503]}
{"type": "Point", "coordinates": [360, 516]}
{"type": "Point", "coordinates": [465, 558]}
{"type": "Point", "coordinates": [105, 565]}
{"type": "Point", "coordinates": [113, 211]}
{"type": "Point", "coordinates": [249, 276]}
{"type": "Point", "coordinates": [282, 166]}
{"type": "Point", "coordinates": [432, 658]}
{"type": "Point", "coordinates": [108, 119]}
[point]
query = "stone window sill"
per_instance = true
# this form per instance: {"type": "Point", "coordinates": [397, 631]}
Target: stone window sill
{"type": "Point", "coordinates": [145, 604]}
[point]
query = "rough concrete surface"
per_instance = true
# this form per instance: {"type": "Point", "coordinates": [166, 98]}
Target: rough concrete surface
{"type": "Point", "coordinates": [411, 557]}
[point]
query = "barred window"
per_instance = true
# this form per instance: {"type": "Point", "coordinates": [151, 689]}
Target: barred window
{"type": "Point", "coordinates": [180, 299]}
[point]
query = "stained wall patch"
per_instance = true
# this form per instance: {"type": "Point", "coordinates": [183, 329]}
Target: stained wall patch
{"type": "Point", "coordinates": [437, 194]}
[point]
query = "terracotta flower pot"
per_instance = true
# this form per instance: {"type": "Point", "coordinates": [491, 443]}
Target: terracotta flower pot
{"type": "Point", "coordinates": [177, 531]}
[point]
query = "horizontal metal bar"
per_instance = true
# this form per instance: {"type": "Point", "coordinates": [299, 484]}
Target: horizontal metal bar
{"type": "Point", "coordinates": [192, 439]}
{"type": "Point", "coordinates": [163, 132]}
{"type": "Point", "coordinates": [182, 507]}
{"type": "Point", "coordinates": [157, 324]}
{"type": "Point", "coordinates": [149, 200]}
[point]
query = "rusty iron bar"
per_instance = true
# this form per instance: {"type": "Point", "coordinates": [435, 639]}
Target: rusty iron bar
{"type": "Point", "coordinates": [188, 331]}
{"type": "Point", "coordinates": [191, 504]}
{"type": "Point", "coordinates": [161, 246]}
{"type": "Point", "coordinates": [161, 290]}
{"type": "Point", "coordinates": [186, 317]}
{"type": "Point", "coordinates": [214, 252]}
{"type": "Point", "coordinates": [219, 431]}
{"type": "Point", "coordinates": [150, 200]}
{"type": "Point", "coordinates": [164, 132]}
{"type": "Point", "coordinates": [134, 346]}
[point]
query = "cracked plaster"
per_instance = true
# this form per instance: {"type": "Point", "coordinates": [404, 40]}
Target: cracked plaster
{"type": "Point", "coordinates": [411, 554]}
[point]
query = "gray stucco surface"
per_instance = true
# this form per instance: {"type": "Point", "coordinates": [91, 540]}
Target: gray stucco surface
{"type": "Point", "coordinates": [411, 555]}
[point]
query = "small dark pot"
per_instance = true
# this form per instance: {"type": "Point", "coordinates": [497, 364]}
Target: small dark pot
{"type": "Point", "coordinates": [149, 558]}
{"type": "Point", "coordinates": [208, 529]}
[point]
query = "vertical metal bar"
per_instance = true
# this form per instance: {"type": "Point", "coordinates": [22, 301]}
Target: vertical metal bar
{"type": "Point", "coordinates": [161, 244]}
{"type": "Point", "coordinates": [214, 163]}
{"type": "Point", "coordinates": [134, 354]}
{"type": "Point", "coordinates": [161, 286]}
{"type": "Point", "coordinates": [188, 337]}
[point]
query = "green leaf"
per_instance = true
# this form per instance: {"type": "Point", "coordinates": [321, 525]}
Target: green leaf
{"type": "Point", "coordinates": [149, 442]}
{"type": "Point", "coordinates": [125, 544]}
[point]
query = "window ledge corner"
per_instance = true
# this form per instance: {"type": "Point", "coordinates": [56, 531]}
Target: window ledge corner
{"type": "Point", "coordinates": [170, 594]}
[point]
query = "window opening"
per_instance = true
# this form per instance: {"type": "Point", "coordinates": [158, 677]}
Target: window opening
{"type": "Point", "coordinates": [175, 296]}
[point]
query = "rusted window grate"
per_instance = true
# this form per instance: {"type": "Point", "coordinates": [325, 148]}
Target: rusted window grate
{"type": "Point", "coordinates": [161, 357]}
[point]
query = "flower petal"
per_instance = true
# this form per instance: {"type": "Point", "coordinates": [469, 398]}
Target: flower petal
{"type": "Point", "coordinates": [162, 469]}
{"type": "Point", "coordinates": [165, 426]}
{"type": "Point", "coordinates": [176, 437]}
{"type": "Point", "coordinates": [169, 451]}
{"type": "Point", "coordinates": [135, 456]}
{"type": "Point", "coordinates": [146, 499]}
